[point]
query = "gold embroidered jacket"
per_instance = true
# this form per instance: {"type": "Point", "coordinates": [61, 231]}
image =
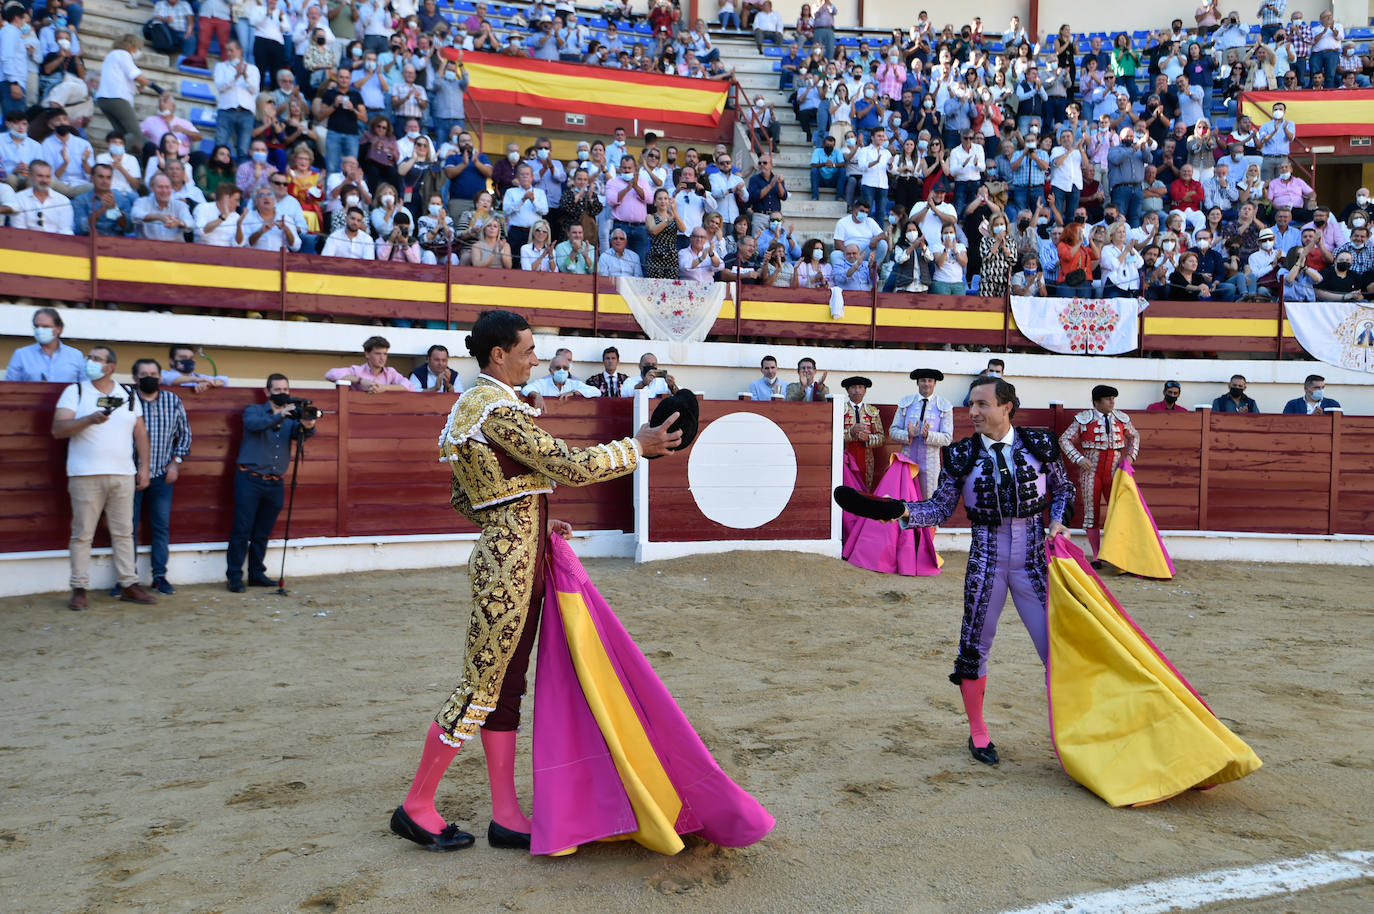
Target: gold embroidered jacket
{"type": "Point", "coordinates": [488, 418]}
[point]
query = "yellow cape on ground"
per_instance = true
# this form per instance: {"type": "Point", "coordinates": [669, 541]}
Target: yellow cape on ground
{"type": "Point", "coordinates": [1130, 539]}
{"type": "Point", "coordinates": [1126, 725]}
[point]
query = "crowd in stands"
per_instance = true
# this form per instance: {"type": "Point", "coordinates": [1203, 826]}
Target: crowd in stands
{"type": "Point", "coordinates": [970, 163]}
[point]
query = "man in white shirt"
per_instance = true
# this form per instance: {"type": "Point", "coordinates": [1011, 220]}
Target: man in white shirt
{"type": "Point", "coordinates": [770, 386]}
{"type": "Point", "coordinates": [349, 173]}
{"type": "Point", "coordinates": [434, 376]}
{"type": "Point", "coordinates": [236, 89]}
{"type": "Point", "coordinates": [1261, 262]}
{"type": "Point", "coordinates": [40, 208]}
{"type": "Point", "coordinates": [728, 189]}
{"type": "Point", "coordinates": [351, 241]}
{"type": "Point", "coordinates": [127, 172]}
{"type": "Point", "coordinates": [934, 214]}
{"type": "Point", "coordinates": [265, 229]}
{"type": "Point", "coordinates": [1189, 101]}
{"type": "Point", "coordinates": [858, 229]}
{"type": "Point", "coordinates": [767, 25]}
{"type": "Point", "coordinates": [693, 202]}
{"type": "Point", "coordinates": [288, 205]}
{"type": "Point", "coordinates": [1066, 173]}
{"type": "Point", "coordinates": [524, 204]}
{"type": "Point", "coordinates": [103, 424]}
{"type": "Point", "coordinates": [967, 165]}
{"type": "Point", "coordinates": [872, 161]}
{"type": "Point", "coordinates": [698, 262]}
{"type": "Point", "coordinates": [182, 189]}
{"type": "Point", "coordinates": [559, 382]}
{"type": "Point", "coordinates": [218, 224]}
{"type": "Point", "coordinates": [161, 217]}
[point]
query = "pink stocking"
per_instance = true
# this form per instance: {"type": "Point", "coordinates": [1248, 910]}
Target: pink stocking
{"type": "Point", "coordinates": [434, 761]}
{"type": "Point", "coordinates": [1095, 540]}
{"type": "Point", "coordinates": [499, 746]}
{"type": "Point", "coordinates": [972, 690]}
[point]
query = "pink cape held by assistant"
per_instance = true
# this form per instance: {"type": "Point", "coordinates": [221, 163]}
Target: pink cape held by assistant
{"type": "Point", "coordinates": [885, 547]}
{"type": "Point", "coordinates": [1123, 720]}
{"type": "Point", "coordinates": [614, 756]}
{"type": "Point", "coordinates": [1130, 537]}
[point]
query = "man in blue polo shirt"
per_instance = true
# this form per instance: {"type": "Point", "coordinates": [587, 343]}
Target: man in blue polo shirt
{"type": "Point", "coordinates": [47, 359]}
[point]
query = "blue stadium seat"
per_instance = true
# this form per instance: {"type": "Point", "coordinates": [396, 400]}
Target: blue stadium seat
{"type": "Point", "coordinates": [203, 117]}
{"type": "Point", "coordinates": [207, 146]}
{"type": "Point", "coordinates": [643, 28]}
{"type": "Point", "coordinates": [200, 91]}
{"type": "Point", "coordinates": [1360, 33]}
{"type": "Point", "coordinates": [996, 47]}
{"type": "Point", "coordinates": [774, 51]}
{"type": "Point", "coordinates": [192, 71]}
{"type": "Point", "coordinates": [1225, 124]}
{"type": "Point", "coordinates": [777, 66]}
{"type": "Point", "coordinates": [465, 5]}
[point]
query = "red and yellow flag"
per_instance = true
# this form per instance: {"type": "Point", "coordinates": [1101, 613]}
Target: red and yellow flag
{"type": "Point", "coordinates": [578, 89]}
{"type": "Point", "coordinates": [1342, 112]}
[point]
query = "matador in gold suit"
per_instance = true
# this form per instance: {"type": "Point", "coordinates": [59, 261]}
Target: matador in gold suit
{"type": "Point", "coordinates": [503, 467]}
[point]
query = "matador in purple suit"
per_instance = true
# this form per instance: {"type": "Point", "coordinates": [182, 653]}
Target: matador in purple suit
{"type": "Point", "coordinates": [1007, 478]}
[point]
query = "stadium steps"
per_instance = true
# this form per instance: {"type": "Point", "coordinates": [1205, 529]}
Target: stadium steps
{"type": "Point", "coordinates": [812, 219]}
{"type": "Point", "coordinates": [102, 23]}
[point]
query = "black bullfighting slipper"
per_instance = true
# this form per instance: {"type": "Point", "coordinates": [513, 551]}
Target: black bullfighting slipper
{"type": "Point", "coordinates": [985, 754]}
{"type": "Point", "coordinates": [450, 839]}
{"type": "Point", "coordinates": [500, 836]}
{"type": "Point", "coordinates": [855, 502]}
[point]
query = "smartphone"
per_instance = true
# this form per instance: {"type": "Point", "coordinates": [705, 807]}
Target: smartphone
{"type": "Point", "coordinates": [659, 373]}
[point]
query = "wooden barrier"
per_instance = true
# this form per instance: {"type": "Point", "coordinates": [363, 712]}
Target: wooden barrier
{"type": "Point", "coordinates": [136, 271]}
{"type": "Point", "coordinates": [372, 468]}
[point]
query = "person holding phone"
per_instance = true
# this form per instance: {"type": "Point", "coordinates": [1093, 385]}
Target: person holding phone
{"type": "Point", "coordinates": [656, 380]}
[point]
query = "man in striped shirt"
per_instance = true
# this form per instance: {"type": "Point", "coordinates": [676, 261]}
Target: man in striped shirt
{"type": "Point", "coordinates": [169, 440]}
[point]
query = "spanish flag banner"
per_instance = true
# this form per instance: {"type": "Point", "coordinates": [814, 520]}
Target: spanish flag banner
{"type": "Point", "coordinates": [1348, 112]}
{"type": "Point", "coordinates": [1124, 722]}
{"type": "Point", "coordinates": [578, 89]}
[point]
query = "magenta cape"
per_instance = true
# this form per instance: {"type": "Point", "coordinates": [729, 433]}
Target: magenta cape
{"type": "Point", "coordinates": [886, 547]}
{"type": "Point", "coordinates": [614, 756]}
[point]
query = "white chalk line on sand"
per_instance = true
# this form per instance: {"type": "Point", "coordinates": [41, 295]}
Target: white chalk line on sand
{"type": "Point", "coordinates": [1189, 892]}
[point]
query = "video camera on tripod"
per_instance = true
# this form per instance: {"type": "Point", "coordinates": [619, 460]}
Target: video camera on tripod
{"type": "Point", "coordinates": [305, 409]}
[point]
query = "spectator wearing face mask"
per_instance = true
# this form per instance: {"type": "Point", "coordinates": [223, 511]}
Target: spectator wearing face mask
{"type": "Point", "coordinates": [1359, 250]}
{"type": "Point", "coordinates": [1342, 281]}
{"type": "Point", "coordinates": [47, 358]}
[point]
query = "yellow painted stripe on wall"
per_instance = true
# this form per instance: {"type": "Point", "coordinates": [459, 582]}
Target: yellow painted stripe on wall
{"type": "Point", "coordinates": [801, 312]}
{"type": "Point", "coordinates": [942, 320]}
{"type": "Point", "coordinates": [1210, 326]}
{"type": "Point", "coordinates": [129, 269]}
{"type": "Point", "coordinates": [364, 287]}
{"type": "Point", "coordinates": [51, 266]}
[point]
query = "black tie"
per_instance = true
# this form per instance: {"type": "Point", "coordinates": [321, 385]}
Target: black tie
{"type": "Point", "coordinates": [613, 385]}
{"type": "Point", "coordinates": [856, 414]}
{"type": "Point", "coordinates": [1006, 485]}
{"type": "Point", "coordinates": [1107, 422]}
{"type": "Point", "coordinates": [921, 421]}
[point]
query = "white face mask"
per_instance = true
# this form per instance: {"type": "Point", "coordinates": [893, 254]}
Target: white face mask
{"type": "Point", "coordinates": [1203, 244]}
{"type": "Point", "coordinates": [912, 236]}
{"type": "Point", "coordinates": [64, 43]}
{"type": "Point", "coordinates": [351, 201]}
{"type": "Point", "coordinates": [1278, 115]}
{"type": "Point", "coordinates": [1168, 245]}
{"type": "Point", "coordinates": [388, 199]}
{"type": "Point", "coordinates": [116, 152]}
{"type": "Point", "coordinates": [1362, 199]}
{"type": "Point", "coordinates": [817, 254]}
{"type": "Point", "coordinates": [1267, 245]}
{"type": "Point", "coordinates": [998, 229]}
{"type": "Point", "coordinates": [513, 157]}
{"type": "Point", "coordinates": [1285, 175]}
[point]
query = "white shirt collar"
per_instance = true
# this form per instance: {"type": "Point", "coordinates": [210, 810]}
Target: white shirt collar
{"type": "Point", "coordinates": [501, 384]}
{"type": "Point", "coordinates": [1006, 439]}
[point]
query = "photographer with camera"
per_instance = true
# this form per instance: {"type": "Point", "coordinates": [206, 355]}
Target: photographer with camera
{"type": "Point", "coordinates": [264, 457]}
{"type": "Point", "coordinates": [102, 420]}
{"type": "Point", "coordinates": [657, 380]}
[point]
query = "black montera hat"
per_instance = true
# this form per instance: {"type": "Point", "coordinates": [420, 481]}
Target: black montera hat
{"type": "Point", "coordinates": [1104, 390]}
{"type": "Point", "coordinates": [684, 403]}
{"type": "Point", "coordinates": [933, 374]}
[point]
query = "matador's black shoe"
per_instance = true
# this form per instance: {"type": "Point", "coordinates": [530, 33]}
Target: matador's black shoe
{"type": "Point", "coordinates": [500, 836]}
{"type": "Point", "coordinates": [855, 502]}
{"type": "Point", "coordinates": [985, 754]}
{"type": "Point", "coordinates": [450, 839]}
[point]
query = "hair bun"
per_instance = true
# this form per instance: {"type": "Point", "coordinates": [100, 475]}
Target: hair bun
{"type": "Point", "coordinates": [467, 341]}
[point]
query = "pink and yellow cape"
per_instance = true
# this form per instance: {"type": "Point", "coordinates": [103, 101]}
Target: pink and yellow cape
{"type": "Point", "coordinates": [1124, 722]}
{"type": "Point", "coordinates": [614, 756]}
{"type": "Point", "coordinates": [1130, 538]}
{"type": "Point", "coordinates": [880, 546]}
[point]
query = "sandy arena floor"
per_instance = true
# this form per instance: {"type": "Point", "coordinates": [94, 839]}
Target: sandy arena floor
{"type": "Point", "coordinates": [243, 753]}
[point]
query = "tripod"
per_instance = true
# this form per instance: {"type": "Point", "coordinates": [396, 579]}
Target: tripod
{"type": "Point", "coordinates": [298, 436]}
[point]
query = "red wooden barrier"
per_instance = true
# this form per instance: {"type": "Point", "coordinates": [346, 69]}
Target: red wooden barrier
{"type": "Point", "coordinates": [372, 469]}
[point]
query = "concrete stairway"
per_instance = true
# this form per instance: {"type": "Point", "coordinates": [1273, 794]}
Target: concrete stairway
{"type": "Point", "coordinates": [813, 219]}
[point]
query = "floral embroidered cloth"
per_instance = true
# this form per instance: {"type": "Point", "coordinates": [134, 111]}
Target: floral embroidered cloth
{"type": "Point", "coordinates": [1079, 326]}
{"type": "Point", "coordinates": [1338, 333]}
{"type": "Point", "coordinates": [679, 311]}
